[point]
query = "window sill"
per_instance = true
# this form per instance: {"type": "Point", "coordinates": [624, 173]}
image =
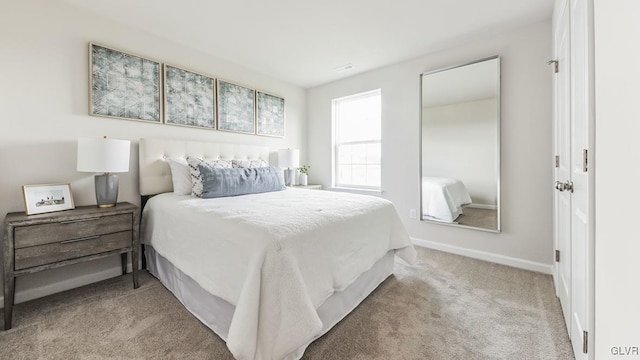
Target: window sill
{"type": "Point", "coordinates": [356, 191]}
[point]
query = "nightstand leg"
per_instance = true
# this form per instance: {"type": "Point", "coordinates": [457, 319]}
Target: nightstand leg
{"type": "Point", "coordinates": [9, 292]}
{"type": "Point", "coordinates": [134, 266]}
{"type": "Point", "coordinates": [135, 247]}
{"type": "Point", "coordinates": [9, 279]}
{"type": "Point", "coordinates": [123, 260]}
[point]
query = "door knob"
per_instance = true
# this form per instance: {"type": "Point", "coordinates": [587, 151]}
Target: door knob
{"type": "Point", "coordinates": [564, 186]}
{"type": "Point", "coordinates": [559, 186]}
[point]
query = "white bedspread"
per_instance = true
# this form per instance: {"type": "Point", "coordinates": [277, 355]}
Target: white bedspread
{"type": "Point", "coordinates": [275, 256]}
{"type": "Point", "coordinates": [442, 198]}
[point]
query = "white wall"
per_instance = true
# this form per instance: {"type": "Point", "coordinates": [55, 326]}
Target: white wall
{"type": "Point", "coordinates": [526, 157]}
{"type": "Point", "coordinates": [460, 141]}
{"type": "Point", "coordinates": [617, 252]}
{"type": "Point", "coordinates": [44, 107]}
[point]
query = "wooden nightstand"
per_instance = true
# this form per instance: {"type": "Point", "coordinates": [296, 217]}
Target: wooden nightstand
{"type": "Point", "coordinates": [310, 187]}
{"type": "Point", "coordinates": [34, 243]}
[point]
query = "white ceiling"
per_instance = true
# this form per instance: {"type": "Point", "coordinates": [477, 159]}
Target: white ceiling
{"type": "Point", "coordinates": [303, 41]}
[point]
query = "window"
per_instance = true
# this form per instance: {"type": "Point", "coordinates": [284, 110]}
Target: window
{"type": "Point", "coordinates": [356, 135]}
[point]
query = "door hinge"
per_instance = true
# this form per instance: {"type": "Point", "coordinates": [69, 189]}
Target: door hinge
{"type": "Point", "coordinates": [555, 65]}
{"type": "Point", "coordinates": [557, 161]}
{"type": "Point", "coordinates": [557, 255]}
{"type": "Point", "coordinates": [585, 160]}
{"type": "Point", "coordinates": [585, 342]}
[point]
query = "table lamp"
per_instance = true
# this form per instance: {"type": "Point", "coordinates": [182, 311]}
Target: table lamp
{"type": "Point", "coordinates": [105, 156]}
{"type": "Point", "coordinates": [289, 159]}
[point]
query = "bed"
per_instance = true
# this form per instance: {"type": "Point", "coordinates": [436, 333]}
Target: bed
{"type": "Point", "coordinates": [443, 198]}
{"type": "Point", "coordinates": [268, 272]}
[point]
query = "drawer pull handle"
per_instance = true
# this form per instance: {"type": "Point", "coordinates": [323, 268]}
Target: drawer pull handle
{"type": "Point", "coordinates": [79, 220]}
{"type": "Point", "coordinates": [80, 239]}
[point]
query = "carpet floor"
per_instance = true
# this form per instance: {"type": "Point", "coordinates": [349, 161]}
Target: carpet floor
{"type": "Point", "coordinates": [443, 307]}
{"type": "Point", "coordinates": [476, 217]}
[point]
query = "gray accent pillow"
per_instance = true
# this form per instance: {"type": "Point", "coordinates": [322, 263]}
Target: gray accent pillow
{"type": "Point", "coordinates": [221, 182]}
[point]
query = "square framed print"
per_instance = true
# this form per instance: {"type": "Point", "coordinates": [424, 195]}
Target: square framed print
{"type": "Point", "coordinates": [189, 98]}
{"type": "Point", "coordinates": [123, 86]}
{"type": "Point", "coordinates": [40, 199]}
{"type": "Point", "coordinates": [269, 115]}
{"type": "Point", "coordinates": [236, 108]}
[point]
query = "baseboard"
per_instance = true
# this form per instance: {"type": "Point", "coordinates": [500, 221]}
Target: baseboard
{"type": "Point", "coordinates": [67, 284]}
{"type": "Point", "coordinates": [482, 206]}
{"type": "Point", "coordinates": [486, 256]}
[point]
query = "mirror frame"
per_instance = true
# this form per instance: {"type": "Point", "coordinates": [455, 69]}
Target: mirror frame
{"type": "Point", "coordinates": [498, 150]}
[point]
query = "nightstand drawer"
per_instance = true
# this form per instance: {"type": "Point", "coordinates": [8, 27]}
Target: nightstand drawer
{"type": "Point", "coordinates": [26, 236]}
{"type": "Point", "coordinates": [70, 249]}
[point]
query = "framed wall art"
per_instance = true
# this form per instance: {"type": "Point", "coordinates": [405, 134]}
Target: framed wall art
{"type": "Point", "coordinates": [236, 108]}
{"type": "Point", "coordinates": [123, 85]}
{"type": "Point", "coordinates": [40, 199]}
{"type": "Point", "coordinates": [189, 98]}
{"type": "Point", "coordinates": [269, 115]}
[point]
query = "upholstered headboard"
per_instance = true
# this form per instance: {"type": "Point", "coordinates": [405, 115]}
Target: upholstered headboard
{"type": "Point", "coordinates": [155, 174]}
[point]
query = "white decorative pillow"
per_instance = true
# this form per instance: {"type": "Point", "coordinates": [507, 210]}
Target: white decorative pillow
{"type": "Point", "coordinates": [180, 176]}
{"type": "Point", "coordinates": [194, 171]}
{"type": "Point", "coordinates": [259, 163]}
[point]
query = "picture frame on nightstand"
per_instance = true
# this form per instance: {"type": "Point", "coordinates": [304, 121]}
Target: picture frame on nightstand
{"type": "Point", "coordinates": [39, 199]}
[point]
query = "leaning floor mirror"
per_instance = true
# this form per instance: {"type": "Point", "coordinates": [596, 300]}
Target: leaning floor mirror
{"type": "Point", "coordinates": [460, 145]}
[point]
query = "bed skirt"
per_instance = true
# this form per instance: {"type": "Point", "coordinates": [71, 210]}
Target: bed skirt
{"type": "Point", "coordinates": [217, 313]}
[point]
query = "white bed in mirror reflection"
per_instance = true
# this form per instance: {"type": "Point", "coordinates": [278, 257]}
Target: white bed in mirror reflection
{"type": "Point", "coordinates": [443, 198]}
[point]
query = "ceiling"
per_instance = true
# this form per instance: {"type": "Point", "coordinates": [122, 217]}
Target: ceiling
{"type": "Point", "coordinates": [303, 41]}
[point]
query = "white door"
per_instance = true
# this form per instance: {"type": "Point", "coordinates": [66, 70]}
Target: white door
{"type": "Point", "coordinates": [573, 225]}
{"type": "Point", "coordinates": [581, 171]}
{"type": "Point", "coordinates": [562, 131]}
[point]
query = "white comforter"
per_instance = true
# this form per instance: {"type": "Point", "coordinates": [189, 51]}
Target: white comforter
{"type": "Point", "coordinates": [442, 198]}
{"type": "Point", "coordinates": [275, 256]}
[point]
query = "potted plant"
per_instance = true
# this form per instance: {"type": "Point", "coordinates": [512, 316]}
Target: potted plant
{"type": "Point", "coordinates": [304, 172]}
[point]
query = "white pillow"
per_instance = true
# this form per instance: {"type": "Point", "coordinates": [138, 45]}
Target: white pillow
{"type": "Point", "coordinates": [194, 172]}
{"type": "Point", "coordinates": [180, 176]}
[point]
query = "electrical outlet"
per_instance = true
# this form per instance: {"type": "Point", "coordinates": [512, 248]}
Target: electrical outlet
{"type": "Point", "coordinates": [413, 214]}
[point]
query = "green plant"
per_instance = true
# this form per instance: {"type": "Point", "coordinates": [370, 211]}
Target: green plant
{"type": "Point", "coordinates": [304, 169]}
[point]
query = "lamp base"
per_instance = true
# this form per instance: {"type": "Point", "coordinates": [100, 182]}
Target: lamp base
{"type": "Point", "coordinates": [107, 190]}
{"type": "Point", "coordinates": [289, 177]}
{"type": "Point", "coordinates": [107, 206]}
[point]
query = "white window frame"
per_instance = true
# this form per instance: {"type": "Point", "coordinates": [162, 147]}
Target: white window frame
{"type": "Point", "coordinates": [335, 144]}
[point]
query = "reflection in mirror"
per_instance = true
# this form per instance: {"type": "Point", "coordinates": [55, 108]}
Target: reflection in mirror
{"type": "Point", "coordinates": [461, 145]}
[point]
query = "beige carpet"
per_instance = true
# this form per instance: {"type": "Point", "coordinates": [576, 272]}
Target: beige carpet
{"type": "Point", "coordinates": [444, 307]}
{"type": "Point", "coordinates": [476, 217]}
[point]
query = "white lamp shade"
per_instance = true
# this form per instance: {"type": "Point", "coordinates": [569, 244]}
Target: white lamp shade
{"type": "Point", "coordinates": [288, 158]}
{"type": "Point", "coordinates": [103, 155]}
